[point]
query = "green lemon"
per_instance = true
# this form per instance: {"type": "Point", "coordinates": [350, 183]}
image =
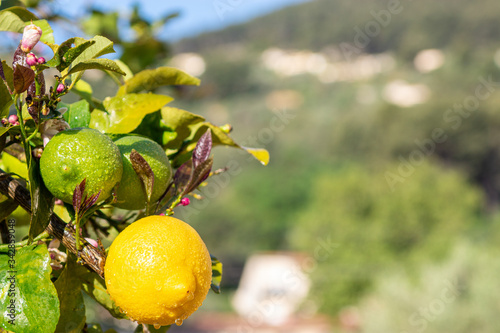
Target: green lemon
{"type": "Point", "coordinates": [130, 192]}
{"type": "Point", "coordinates": [75, 154]}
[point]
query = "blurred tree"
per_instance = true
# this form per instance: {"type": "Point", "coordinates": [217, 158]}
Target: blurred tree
{"type": "Point", "coordinates": [139, 51]}
{"type": "Point", "coordinates": [356, 228]}
{"type": "Point", "coordinates": [459, 295]}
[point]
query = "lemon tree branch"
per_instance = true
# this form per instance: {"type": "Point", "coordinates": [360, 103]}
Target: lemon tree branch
{"type": "Point", "coordinates": [91, 256]}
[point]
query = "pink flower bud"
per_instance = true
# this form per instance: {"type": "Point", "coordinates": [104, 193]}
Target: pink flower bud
{"type": "Point", "coordinates": [60, 88]}
{"type": "Point", "coordinates": [92, 242]}
{"type": "Point", "coordinates": [41, 60]}
{"type": "Point", "coordinates": [31, 59]}
{"type": "Point", "coordinates": [31, 36]}
{"type": "Point", "coordinates": [185, 202]}
{"type": "Point", "coordinates": [13, 119]}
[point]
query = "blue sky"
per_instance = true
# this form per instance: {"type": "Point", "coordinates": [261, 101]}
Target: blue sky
{"type": "Point", "coordinates": [196, 16]}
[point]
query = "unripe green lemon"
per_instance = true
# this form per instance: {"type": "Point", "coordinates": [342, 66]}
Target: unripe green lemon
{"type": "Point", "coordinates": [75, 154]}
{"type": "Point", "coordinates": [130, 193]}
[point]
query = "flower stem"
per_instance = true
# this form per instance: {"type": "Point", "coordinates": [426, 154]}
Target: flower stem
{"type": "Point", "coordinates": [27, 150]}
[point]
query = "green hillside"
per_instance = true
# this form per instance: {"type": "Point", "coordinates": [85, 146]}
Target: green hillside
{"type": "Point", "coordinates": [393, 182]}
{"type": "Point", "coordinates": [405, 26]}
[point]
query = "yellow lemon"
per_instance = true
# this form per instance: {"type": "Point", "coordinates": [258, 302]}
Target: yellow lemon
{"type": "Point", "coordinates": [130, 193]}
{"type": "Point", "coordinates": [158, 270]}
{"type": "Point", "coordinates": [75, 154]}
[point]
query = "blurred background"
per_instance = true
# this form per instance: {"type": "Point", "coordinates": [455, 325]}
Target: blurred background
{"type": "Point", "coordinates": [379, 209]}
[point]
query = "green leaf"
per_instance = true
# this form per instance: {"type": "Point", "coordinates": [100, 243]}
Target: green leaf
{"type": "Point", "coordinates": [150, 79]}
{"type": "Point", "coordinates": [125, 69]}
{"type": "Point", "coordinates": [78, 114]}
{"type": "Point", "coordinates": [65, 53]}
{"type": "Point", "coordinates": [102, 64]}
{"type": "Point", "coordinates": [42, 201]}
{"type": "Point", "coordinates": [13, 165]}
{"type": "Point", "coordinates": [152, 126]}
{"type": "Point", "coordinates": [260, 154]}
{"type": "Point", "coordinates": [125, 113]}
{"type": "Point", "coordinates": [5, 98]}
{"type": "Point", "coordinates": [99, 120]}
{"type": "Point", "coordinates": [216, 274]}
{"type": "Point", "coordinates": [222, 138]}
{"type": "Point", "coordinates": [10, 22]}
{"type": "Point", "coordinates": [34, 295]}
{"type": "Point", "coordinates": [181, 122]}
{"type": "Point", "coordinates": [22, 13]}
{"type": "Point", "coordinates": [72, 307]}
{"type": "Point", "coordinates": [101, 46]}
{"type": "Point", "coordinates": [190, 126]}
{"type": "Point", "coordinates": [95, 287]}
{"type": "Point", "coordinates": [84, 90]}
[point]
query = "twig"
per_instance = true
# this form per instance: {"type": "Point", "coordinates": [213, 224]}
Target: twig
{"type": "Point", "coordinates": [90, 255]}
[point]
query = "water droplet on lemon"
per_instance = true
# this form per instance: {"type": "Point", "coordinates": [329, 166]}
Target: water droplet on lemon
{"type": "Point", "coordinates": [157, 326]}
{"type": "Point", "coordinates": [178, 322]}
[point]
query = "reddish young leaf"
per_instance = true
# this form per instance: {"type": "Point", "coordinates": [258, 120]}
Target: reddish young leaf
{"type": "Point", "coordinates": [89, 202]}
{"type": "Point", "coordinates": [203, 148]}
{"type": "Point", "coordinates": [144, 171]}
{"type": "Point", "coordinates": [23, 78]}
{"type": "Point", "coordinates": [78, 195]}
{"type": "Point", "coordinates": [182, 176]}
{"type": "Point", "coordinates": [199, 174]}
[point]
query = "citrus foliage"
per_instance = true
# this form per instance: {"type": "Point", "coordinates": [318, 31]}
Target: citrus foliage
{"type": "Point", "coordinates": [32, 115]}
{"type": "Point", "coordinates": [32, 291]}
